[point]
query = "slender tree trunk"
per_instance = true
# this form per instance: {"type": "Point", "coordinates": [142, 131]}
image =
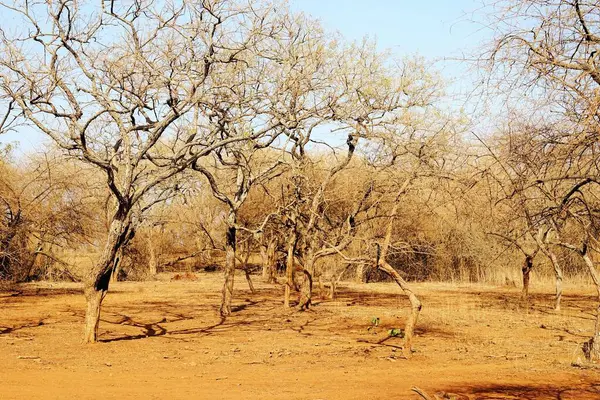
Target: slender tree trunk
{"type": "Point", "coordinates": [360, 274]}
{"type": "Point", "coordinates": [117, 267]}
{"type": "Point", "coordinates": [5, 257]}
{"type": "Point", "coordinates": [230, 250]}
{"type": "Point", "coordinates": [272, 259]}
{"type": "Point", "coordinates": [332, 288]}
{"type": "Point", "coordinates": [249, 280]}
{"type": "Point", "coordinates": [541, 241]}
{"type": "Point", "coordinates": [246, 250]}
{"type": "Point", "coordinates": [382, 264]}
{"type": "Point", "coordinates": [559, 278]}
{"type": "Point", "coordinates": [305, 297]}
{"type": "Point", "coordinates": [592, 347]}
{"type": "Point", "coordinates": [527, 267]}
{"type": "Point", "coordinates": [415, 306]}
{"type": "Point", "coordinates": [97, 280]}
{"type": "Point", "coordinates": [321, 287]}
{"type": "Point", "coordinates": [265, 262]}
{"type": "Point", "coordinates": [289, 268]}
{"type": "Point", "coordinates": [26, 273]}
{"type": "Point", "coordinates": [269, 260]}
{"type": "Point", "coordinates": [152, 259]}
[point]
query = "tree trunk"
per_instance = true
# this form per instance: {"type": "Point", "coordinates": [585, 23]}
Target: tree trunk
{"type": "Point", "coordinates": [322, 293]}
{"type": "Point", "coordinates": [541, 241]}
{"type": "Point", "coordinates": [5, 244]}
{"type": "Point", "coordinates": [94, 299]}
{"type": "Point", "coordinates": [382, 264]}
{"type": "Point", "coordinates": [360, 274]}
{"type": "Point", "coordinates": [152, 259]}
{"type": "Point", "coordinates": [117, 267]}
{"type": "Point", "coordinates": [332, 288]}
{"type": "Point", "coordinates": [230, 249]}
{"type": "Point", "coordinates": [265, 262]}
{"type": "Point", "coordinates": [415, 306]}
{"type": "Point", "coordinates": [249, 280]}
{"type": "Point", "coordinates": [246, 250]}
{"type": "Point", "coordinates": [269, 260]}
{"type": "Point", "coordinates": [305, 298]}
{"type": "Point", "coordinates": [559, 278]}
{"type": "Point", "coordinates": [25, 273]}
{"type": "Point", "coordinates": [527, 267]}
{"type": "Point", "coordinates": [289, 268]}
{"type": "Point", "coordinates": [591, 348]}
{"type": "Point", "coordinates": [97, 280]}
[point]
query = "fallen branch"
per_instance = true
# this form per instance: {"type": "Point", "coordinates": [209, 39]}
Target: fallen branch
{"type": "Point", "coordinates": [421, 393]}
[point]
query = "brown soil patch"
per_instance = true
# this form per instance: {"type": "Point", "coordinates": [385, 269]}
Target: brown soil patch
{"type": "Point", "coordinates": [164, 340]}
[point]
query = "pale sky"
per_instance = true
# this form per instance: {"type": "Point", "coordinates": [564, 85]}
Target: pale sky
{"type": "Point", "coordinates": [442, 31]}
{"type": "Point", "coordinates": [434, 28]}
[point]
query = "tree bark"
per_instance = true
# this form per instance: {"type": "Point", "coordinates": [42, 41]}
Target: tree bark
{"type": "Point", "coordinates": [559, 278]}
{"type": "Point", "coordinates": [289, 267]}
{"type": "Point", "coordinates": [249, 280]}
{"type": "Point", "coordinates": [230, 250]}
{"type": "Point", "coordinates": [541, 240]}
{"type": "Point", "coordinates": [382, 264]}
{"type": "Point", "coordinates": [94, 299]}
{"type": "Point", "coordinates": [360, 274]}
{"type": "Point", "coordinates": [526, 269]}
{"type": "Point", "coordinates": [5, 244]}
{"type": "Point", "coordinates": [321, 287]}
{"type": "Point", "coordinates": [117, 267]}
{"type": "Point", "coordinates": [265, 262]}
{"type": "Point", "coordinates": [332, 288]}
{"type": "Point", "coordinates": [269, 260]}
{"type": "Point", "coordinates": [97, 280]}
{"type": "Point", "coordinates": [415, 306]}
{"type": "Point", "coordinates": [152, 259]}
{"type": "Point", "coordinates": [592, 347]}
{"type": "Point", "coordinates": [246, 250]}
{"type": "Point", "coordinates": [305, 297]}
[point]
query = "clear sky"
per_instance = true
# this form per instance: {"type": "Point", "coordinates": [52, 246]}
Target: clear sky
{"type": "Point", "coordinates": [442, 31]}
{"type": "Point", "coordinates": [433, 28]}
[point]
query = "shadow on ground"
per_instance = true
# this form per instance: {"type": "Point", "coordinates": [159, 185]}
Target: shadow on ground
{"type": "Point", "coordinates": [583, 391]}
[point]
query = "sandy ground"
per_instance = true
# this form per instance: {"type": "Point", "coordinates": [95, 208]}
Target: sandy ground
{"type": "Point", "coordinates": [164, 340]}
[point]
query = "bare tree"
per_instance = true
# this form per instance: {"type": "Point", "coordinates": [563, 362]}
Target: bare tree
{"type": "Point", "coordinates": [45, 204]}
{"type": "Point", "coordinates": [239, 161]}
{"type": "Point", "coordinates": [369, 94]}
{"type": "Point", "coordinates": [550, 176]}
{"type": "Point", "coordinates": [124, 88]}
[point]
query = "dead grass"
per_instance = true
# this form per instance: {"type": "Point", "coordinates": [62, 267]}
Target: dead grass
{"type": "Point", "coordinates": [164, 339]}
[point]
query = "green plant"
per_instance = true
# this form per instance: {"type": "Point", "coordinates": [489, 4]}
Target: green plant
{"type": "Point", "coordinates": [396, 332]}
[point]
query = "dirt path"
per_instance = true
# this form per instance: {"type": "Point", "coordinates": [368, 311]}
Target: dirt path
{"type": "Point", "coordinates": [163, 340]}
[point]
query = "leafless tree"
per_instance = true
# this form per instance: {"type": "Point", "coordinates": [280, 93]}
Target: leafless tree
{"type": "Point", "coordinates": [125, 87]}
{"type": "Point", "coordinates": [45, 204]}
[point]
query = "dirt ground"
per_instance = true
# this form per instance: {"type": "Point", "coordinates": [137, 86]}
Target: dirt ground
{"type": "Point", "coordinates": [164, 340]}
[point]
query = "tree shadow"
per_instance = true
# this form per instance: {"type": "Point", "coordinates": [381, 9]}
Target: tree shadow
{"type": "Point", "coordinates": [242, 307]}
{"type": "Point", "coordinates": [258, 314]}
{"type": "Point", "coordinates": [584, 390]}
{"type": "Point", "coordinates": [5, 330]}
{"type": "Point", "coordinates": [575, 305]}
{"type": "Point", "coordinates": [25, 292]}
{"type": "Point", "coordinates": [153, 329]}
{"type": "Point", "coordinates": [353, 297]}
{"type": "Point", "coordinates": [173, 313]}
